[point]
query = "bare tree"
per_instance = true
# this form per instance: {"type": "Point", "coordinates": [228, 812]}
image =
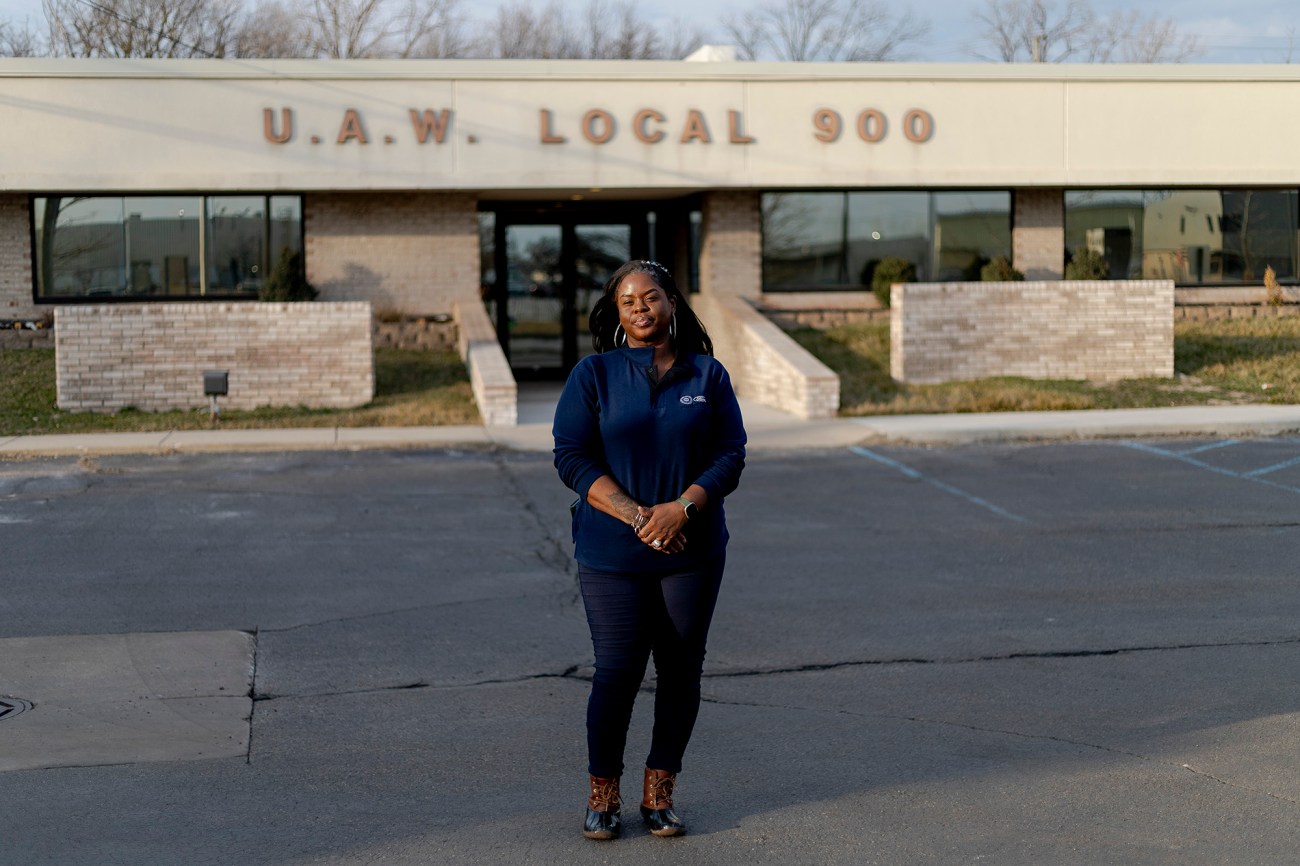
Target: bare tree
{"type": "Point", "coordinates": [605, 31]}
{"type": "Point", "coordinates": [349, 29]}
{"type": "Point", "coordinates": [19, 40]}
{"type": "Point", "coordinates": [1033, 30]}
{"type": "Point", "coordinates": [433, 28]}
{"type": "Point", "coordinates": [1052, 31]}
{"type": "Point", "coordinates": [617, 33]}
{"type": "Point", "coordinates": [141, 28]}
{"type": "Point", "coordinates": [1127, 37]}
{"type": "Point", "coordinates": [274, 29]}
{"type": "Point", "coordinates": [522, 33]}
{"type": "Point", "coordinates": [828, 30]}
{"type": "Point", "coordinates": [678, 40]}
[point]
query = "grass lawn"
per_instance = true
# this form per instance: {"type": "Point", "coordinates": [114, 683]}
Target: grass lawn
{"type": "Point", "coordinates": [411, 388]}
{"type": "Point", "coordinates": [1224, 361]}
{"type": "Point", "coordinates": [1216, 362]}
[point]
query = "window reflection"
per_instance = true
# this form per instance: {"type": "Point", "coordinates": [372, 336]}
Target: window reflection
{"type": "Point", "coordinates": [803, 239]}
{"type": "Point", "coordinates": [159, 246]}
{"type": "Point", "coordinates": [970, 230]}
{"type": "Point", "coordinates": [887, 225]}
{"type": "Point", "coordinates": [1189, 236]}
{"type": "Point", "coordinates": [236, 243]}
{"type": "Point", "coordinates": [835, 239]}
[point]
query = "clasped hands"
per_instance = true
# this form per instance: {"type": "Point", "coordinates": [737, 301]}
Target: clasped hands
{"type": "Point", "coordinates": [661, 523]}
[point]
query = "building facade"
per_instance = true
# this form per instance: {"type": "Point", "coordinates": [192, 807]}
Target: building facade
{"type": "Point", "coordinates": [515, 187]}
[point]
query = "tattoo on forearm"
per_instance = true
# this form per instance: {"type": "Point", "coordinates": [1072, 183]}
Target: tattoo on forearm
{"type": "Point", "coordinates": [623, 504]}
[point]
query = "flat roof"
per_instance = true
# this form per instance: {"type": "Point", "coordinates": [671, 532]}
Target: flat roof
{"type": "Point", "coordinates": [637, 70]}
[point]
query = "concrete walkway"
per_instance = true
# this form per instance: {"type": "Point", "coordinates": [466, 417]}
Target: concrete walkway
{"type": "Point", "coordinates": [769, 430]}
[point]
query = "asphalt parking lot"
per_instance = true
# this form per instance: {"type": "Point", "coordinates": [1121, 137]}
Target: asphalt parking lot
{"type": "Point", "coordinates": [1015, 654]}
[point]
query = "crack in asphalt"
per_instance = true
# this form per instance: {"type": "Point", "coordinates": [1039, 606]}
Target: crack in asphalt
{"type": "Point", "coordinates": [1017, 656]}
{"type": "Point", "coordinates": [1189, 768]}
{"type": "Point", "coordinates": [553, 554]}
{"type": "Point", "coordinates": [252, 694]}
{"type": "Point", "coordinates": [420, 685]}
{"type": "Point", "coordinates": [571, 672]}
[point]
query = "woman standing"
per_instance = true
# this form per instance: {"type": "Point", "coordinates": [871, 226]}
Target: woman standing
{"type": "Point", "coordinates": [649, 435]}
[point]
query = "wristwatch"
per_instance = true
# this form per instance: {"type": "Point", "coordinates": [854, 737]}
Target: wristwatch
{"type": "Point", "coordinates": [688, 506]}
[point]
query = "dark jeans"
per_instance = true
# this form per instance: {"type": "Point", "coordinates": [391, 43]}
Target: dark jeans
{"type": "Point", "coordinates": [632, 617]}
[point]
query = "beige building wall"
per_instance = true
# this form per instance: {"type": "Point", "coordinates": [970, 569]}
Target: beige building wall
{"type": "Point", "coordinates": [575, 126]}
{"type": "Point", "coordinates": [731, 244]}
{"type": "Point", "coordinates": [411, 253]}
{"type": "Point", "coordinates": [1038, 233]}
{"type": "Point", "coordinates": [15, 259]}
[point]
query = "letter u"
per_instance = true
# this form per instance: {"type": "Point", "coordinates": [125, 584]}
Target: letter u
{"type": "Point", "coordinates": [286, 125]}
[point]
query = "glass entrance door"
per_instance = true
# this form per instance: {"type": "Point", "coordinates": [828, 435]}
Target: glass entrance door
{"type": "Point", "coordinates": [554, 270]}
{"type": "Point", "coordinates": [599, 250]}
{"type": "Point", "coordinates": [536, 295]}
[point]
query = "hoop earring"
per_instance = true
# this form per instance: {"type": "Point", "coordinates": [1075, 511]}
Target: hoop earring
{"type": "Point", "coordinates": [617, 328]}
{"type": "Point", "coordinates": [672, 327]}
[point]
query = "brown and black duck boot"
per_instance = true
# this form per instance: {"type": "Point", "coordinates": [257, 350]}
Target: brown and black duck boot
{"type": "Point", "coordinates": [657, 804]}
{"type": "Point", "coordinates": [603, 818]}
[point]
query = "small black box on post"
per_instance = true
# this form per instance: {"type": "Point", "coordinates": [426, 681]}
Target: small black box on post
{"type": "Point", "coordinates": [216, 383]}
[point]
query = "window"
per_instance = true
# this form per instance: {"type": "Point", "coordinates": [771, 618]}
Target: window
{"type": "Point", "coordinates": [144, 247]}
{"type": "Point", "coordinates": [1190, 236]}
{"type": "Point", "coordinates": [833, 240]}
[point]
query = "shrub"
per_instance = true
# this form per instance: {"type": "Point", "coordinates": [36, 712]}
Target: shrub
{"type": "Point", "coordinates": [975, 267]}
{"type": "Point", "coordinates": [869, 272]}
{"type": "Point", "coordinates": [1087, 264]}
{"type": "Point", "coordinates": [1000, 270]}
{"type": "Point", "coordinates": [891, 270]}
{"type": "Point", "coordinates": [288, 280]}
{"type": "Point", "coordinates": [1273, 288]}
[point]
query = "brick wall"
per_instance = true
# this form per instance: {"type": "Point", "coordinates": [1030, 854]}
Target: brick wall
{"type": "Point", "coordinates": [490, 378]}
{"type": "Point", "coordinates": [765, 364]}
{"type": "Point", "coordinates": [1038, 233]}
{"type": "Point", "coordinates": [410, 253]}
{"type": "Point", "coordinates": [415, 333]}
{"type": "Point", "coordinates": [152, 356]}
{"type": "Point", "coordinates": [24, 337]}
{"type": "Point", "coordinates": [1077, 329]}
{"type": "Point", "coordinates": [16, 260]}
{"type": "Point", "coordinates": [731, 244]}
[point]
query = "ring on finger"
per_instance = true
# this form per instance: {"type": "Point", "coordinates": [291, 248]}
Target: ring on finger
{"type": "Point", "coordinates": [656, 544]}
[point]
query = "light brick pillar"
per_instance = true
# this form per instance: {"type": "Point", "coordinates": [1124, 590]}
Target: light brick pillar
{"type": "Point", "coordinates": [1038, 233]}
{"type": "Point", "coordinates": [16, 259]}
{"type": "Point", "coordinates": [731, 245]}
{"type": "Point", "coordinates": [410, 253]}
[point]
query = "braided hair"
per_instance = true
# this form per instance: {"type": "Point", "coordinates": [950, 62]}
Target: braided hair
{"type": "Point", "coordinates": [690, 337]}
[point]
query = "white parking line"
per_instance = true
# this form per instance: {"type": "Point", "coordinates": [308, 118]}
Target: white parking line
{"type": "Point", "coordinates": [1210, 467]}
{"type": "Point", "coordinates": [1224, 444]}
{"type": "Point", "coordinates": [934, 482]}
{"type": "Point", "coordinates": [1276, 466]}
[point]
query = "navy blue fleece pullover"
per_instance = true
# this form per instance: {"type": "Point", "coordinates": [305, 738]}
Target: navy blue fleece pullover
{"type": "Point", "coordinates": [655, 441]}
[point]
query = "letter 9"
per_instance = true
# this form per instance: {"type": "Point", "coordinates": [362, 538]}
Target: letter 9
{"type": "Point", "coordinates": [828, 124]}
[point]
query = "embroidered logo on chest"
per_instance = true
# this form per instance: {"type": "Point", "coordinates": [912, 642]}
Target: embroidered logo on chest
{"type": "Point", "coordinates": [687, 399]}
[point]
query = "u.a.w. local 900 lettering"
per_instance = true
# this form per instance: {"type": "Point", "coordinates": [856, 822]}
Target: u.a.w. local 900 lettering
{"type": "Point", "coordinates": [600, 126]}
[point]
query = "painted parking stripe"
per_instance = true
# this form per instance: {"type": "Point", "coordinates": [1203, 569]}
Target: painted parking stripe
{"type": "Point", "coordinates": [1213, 445]}
{"type": "Point", "coordinates": [934, 482]}
{"type": "Point", "coordinates": [1209, 467]}
{"type": "Point", "coordinates": [1276, 466]}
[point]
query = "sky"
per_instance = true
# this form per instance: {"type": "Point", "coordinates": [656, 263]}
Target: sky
{"type": "Point", "coordinates": [1244, 31]}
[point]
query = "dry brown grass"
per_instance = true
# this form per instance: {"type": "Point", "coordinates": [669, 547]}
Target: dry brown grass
{"type": "Point", "coordinates": [412, 388]}
{"type": "Point", "coordinates": [1222, 361]}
